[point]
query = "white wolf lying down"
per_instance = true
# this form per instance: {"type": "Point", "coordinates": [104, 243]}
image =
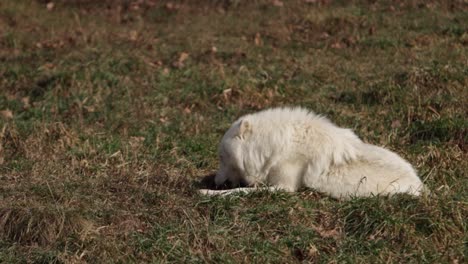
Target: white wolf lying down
{"type": "Point", "coordinates": [290, 148]}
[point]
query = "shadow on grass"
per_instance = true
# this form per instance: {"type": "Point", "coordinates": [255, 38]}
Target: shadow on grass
{"type": "Point", "coordinates": [208, 182]}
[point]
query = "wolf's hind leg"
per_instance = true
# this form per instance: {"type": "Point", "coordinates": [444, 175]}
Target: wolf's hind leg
{"type": "Point", "coordinates": [286, 176]}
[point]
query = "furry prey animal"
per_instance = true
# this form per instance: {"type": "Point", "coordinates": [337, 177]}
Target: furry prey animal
{"type": "Point", "coordinates": [289, 148]}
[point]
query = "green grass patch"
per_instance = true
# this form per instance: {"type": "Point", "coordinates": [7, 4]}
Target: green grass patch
{"type": "Point", "coordinates": [111, 114]}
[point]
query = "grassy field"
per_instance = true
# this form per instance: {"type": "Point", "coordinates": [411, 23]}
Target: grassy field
{"type": "Point", "coordinates": [111, 113]}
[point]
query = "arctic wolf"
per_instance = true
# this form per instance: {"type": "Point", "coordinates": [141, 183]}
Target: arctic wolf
{"type": "Point", "coordinates": [289, 148]}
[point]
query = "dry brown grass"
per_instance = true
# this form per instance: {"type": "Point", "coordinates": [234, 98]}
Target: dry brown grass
{"type": "Point", "coordinates": [42, 226]}
{"type": "Point", "coordinates": [111, 112]}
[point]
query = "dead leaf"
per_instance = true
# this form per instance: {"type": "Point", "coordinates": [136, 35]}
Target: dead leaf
{"type": "Point", "coordinates": [227, 93]}
{"type": "Point", "coordinates": [396, 124]}
{"type": "Point", "coordinates": [312, 251]}
{"type": "Point", "coordinates": [171, 6]}
{"type": "Point", "coordinates": [26, 102]}
{"type": "Point", "coordinates": [278, 3]}
{"type": "Point", "coordinates": [349, 41]}
{"type": "Point", "coordinates": [180, 62]}
{"type": "Point", "coordinates": [135, 6]}
{"type": "Point", "coordinates": [324, 35]}
{"type": "Point", "coordinates": [50, 6]}
{"type": "Point", "coordinates": [333, 233]}
{"type": "Point", "coordinates": [337, 45]}
{"type": "Point", "coordinates": [89, 108]}
{"type": "Point", "coordinates": [133, 35]}
{"type": "Point", "coordinates": [258, 39]}
{"type": "Point", "coordinates": [47, 66]}
{"type": "Point", "coordinates": [6, 114]}
{"type": "Point", "coordinates": [156, 63]}
{"type": "Point", "coordinates": [183, 56]}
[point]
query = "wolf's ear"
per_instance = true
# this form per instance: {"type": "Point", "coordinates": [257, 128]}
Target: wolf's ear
{"type": "Point", "coordinates": [244, 128]}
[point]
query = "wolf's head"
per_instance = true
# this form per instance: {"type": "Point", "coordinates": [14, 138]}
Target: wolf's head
{"type": "Point", "coordinates": [237, 155]}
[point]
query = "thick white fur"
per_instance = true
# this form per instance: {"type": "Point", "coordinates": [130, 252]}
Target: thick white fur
{"type": "Point", "coordinates": [290, 148]}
